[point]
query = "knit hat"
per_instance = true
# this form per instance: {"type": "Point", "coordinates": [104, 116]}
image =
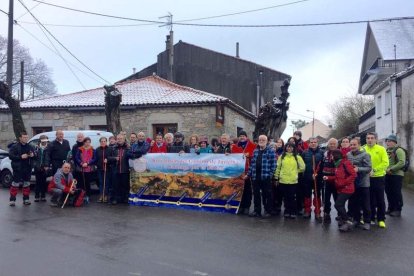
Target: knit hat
{"type": "Point", "coordinates": [242, 132]}
{"type": "Point", "coordinates": [391, 137]}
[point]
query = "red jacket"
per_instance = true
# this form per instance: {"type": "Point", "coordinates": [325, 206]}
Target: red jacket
{"type": "Point", "coordinates": [249, 148]}
{"type": "Point", "coordinates": [344, 177]}
{"type": "Point", "coordinates": [156, 149]}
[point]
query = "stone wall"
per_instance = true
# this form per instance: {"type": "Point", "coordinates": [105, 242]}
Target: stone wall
{"type": "Point", "coordinates": [190, 119]}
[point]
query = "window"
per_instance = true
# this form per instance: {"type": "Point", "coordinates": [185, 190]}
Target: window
{"type": "Point", "coordinates": [37, 130]}
{"type": "Point", "coordinates": [98, 127]}
{"type": "Point", "coordinates": [163, 128]}
{"type": "Point", "coordinates": [387, 103]}
{"type": "Point", "coordinates": [378, 107]}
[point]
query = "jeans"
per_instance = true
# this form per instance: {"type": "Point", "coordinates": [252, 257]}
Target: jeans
{"type": "Point", "coordinates": [340, 206]}
{"type": "Point", "coordinates": [265, 187]}
{"type": "Point", "coordinates": [360, 200]}
{"type": "Point", "coordinates": [377, 188]}
{"type": "Point", "coordinates": [393, 186]}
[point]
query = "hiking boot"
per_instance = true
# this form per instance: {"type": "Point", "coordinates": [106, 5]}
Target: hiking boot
{"type": "Point", "coordinates": [26, 202]}
{"type": "Point", "coordinates": [43, 199]}
{"type": "Point", "coordinates": [105, 200]}
{"type": "Point", "coordinates": [12, 203]}
{"type": "Point", "coordinates": [327, 218]}
{"type": "Point", "coordinates": [286, 215]}
{"type": "Point", "coordinates": [37, 199]}
{"type": "Point", "coordinates": [100, 200]}
{"type": "Point", "coordinates": [318, 218]}
{"type": "Point", "coordinates": [307, 215]}
{"type": "Point", "coordinates": [346, 226]}
{"type": "Point", "coordinates": [395, 214]}
{"type": "Point", "coordinates": [373, 222]}
{"type": "Point", "coordinates": [255, 215]}
{"type": "Point", "coordinates": [365, 226]}
{"type": "Point", "coordinates": [381, 224]}
{"type": "Point", "coordinates": [292, 216]}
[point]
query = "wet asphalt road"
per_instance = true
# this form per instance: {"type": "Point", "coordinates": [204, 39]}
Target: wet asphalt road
{"type": "Point", "coordinates": [123, 240]}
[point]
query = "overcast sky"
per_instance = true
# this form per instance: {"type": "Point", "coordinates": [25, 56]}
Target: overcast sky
{"type": "Point", "coordinates": [324, 61]}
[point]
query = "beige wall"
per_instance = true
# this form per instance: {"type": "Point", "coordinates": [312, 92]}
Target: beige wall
{"type": "Point", "coordinates": [199, 120]}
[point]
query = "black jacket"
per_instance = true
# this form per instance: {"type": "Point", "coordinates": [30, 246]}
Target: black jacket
{"type": "Point", "coordinates": [121, 151]}
{"type": "Point", "coordinates": [178, 147]}
{"type": "Point", "coordinates": [41, 158]}
{"type": "Point", "coordinates": [58, 152]}
{"type": "Point", "coordinates": [15, 154]}
{"type": "Point", "coordinates": [101, 154]}
{"type": "Point", "coordinates": [224, 148]}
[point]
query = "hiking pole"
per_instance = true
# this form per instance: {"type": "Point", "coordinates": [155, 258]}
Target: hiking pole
{"type": "Point", "coordinates": [74, 182]}
{"type": "Point", "coordinates": [104, 183]}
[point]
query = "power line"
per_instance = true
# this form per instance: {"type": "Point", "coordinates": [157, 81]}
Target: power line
{"type": "Point", "coordinates": [4, 12]}
{"type": "Point", "coordinates": [63, 46]}
{"type": "Point", "coordinates": [56, 53]}
{"type": "Point", "coordinates": [64, 60]}
{"type": "Point", "coordinates": [100, 14]}
{"type": "Point", "coordinates": [298, 114]}
{"type": "Point", "coordinates": [32, 8]}
{"type": "Point", "coordinates": [243, 12]}
{"type": "Point", "coordinates": [235, 25]}
{"type": "Point", "coordinates": [90, 26]}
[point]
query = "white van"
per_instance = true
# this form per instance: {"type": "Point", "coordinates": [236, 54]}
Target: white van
{"type": "Point", "coordinates": [6, 171]}
{"type": "Point", "coordinates": [70, 135]}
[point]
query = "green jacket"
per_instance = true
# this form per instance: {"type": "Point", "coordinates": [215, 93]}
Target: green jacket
{"type": "Point", "coordinates": [394, 166]}
{"type": "Point", "coordinates": [379, 159]}
{"type": "Point", "coordinates": [287, 170]}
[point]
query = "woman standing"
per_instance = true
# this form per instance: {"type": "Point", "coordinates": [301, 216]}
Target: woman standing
{"type": "Point", "coordinates": [276, 193]}
{"type": "Point", "coordinates": [345, 146]}
{"type": "Point", "coordinates": [41, 167]}
{"type": "Point", "coordinates": [194, 143]}
{"type": "Point", "coordinates": [158, 145]}
{"type": "Point", "coordinates": [289, 165]}
{"type": "Point", "coordinates": [85, 159]}
{"type": "Point", "coordinates": [102, 165]}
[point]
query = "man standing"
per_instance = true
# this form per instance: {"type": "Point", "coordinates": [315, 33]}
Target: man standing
{"type": "Point", "coordinates": [120, 176]}
{"type": "Point", "coordinates": [58, 151]}
{"type": "Point", "coordinates": [139, 147]}
{"type": "Point", "coordinates": [133, 138]}
{"type": "Point", "coordinates": [301, 145]}
{"type": "Point", "coordinates": [395, 175]}
{"type": "Point", "coordinates": [261, 170]}
{"type": "Point", "coordinates": [41, 167]}
{"type": "Point", "coordinates": [327, 169]}
{"type": "Point", "coordinates": [380, 162]}
{"type": "Point", "coordinates": [360, 200]}
{"type": "Point", "coordinates": [77, 174]}
{"type": "Point", "coordinates": [246, 147]}
{"type": "Point", "coordinates": [20, 155]}
{"type": "Point", "coordinates": [224, 146]}
{"type": "Point", "coordinates": [178, 146]}
{"type": "Point", "coordinates": [312, 157]}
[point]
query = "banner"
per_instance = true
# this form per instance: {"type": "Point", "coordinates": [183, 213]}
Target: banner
{"type": "Point", "coordinates": [209, 182]}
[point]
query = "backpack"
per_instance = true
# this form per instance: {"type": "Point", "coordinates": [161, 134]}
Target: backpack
{"type": "Point", "coordinates": [407, 158]}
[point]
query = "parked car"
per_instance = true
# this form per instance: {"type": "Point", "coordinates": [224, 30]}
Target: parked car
{"type": "Point", "coordinates": [6, 171]}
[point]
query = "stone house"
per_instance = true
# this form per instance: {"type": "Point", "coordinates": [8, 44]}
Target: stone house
{"type": "Point", "coordinates": [319, 130]}
{"type": "Point", "coordinates": [151, 104]}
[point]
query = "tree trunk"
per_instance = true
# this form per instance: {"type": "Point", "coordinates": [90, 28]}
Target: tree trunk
{"type": "Point", "coordinates": [14, 106]}
{"type": "Point", "coordinates": [113, 99]}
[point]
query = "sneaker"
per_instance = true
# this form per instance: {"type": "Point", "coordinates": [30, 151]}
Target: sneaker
{"type": "Point", "coordinates": [36, 199]}
{"type": "Point", "coordinates": [26, 202]}
{"type": "Point", "coordinates": [43, 199]}
{"type": "Point", "coordinates": [346, 226]}
{"type": "Point", "coordinates": [286, 215]}
{"type": "Point", "coordinates": [306, 215]}
{"type": "Point", "coordinates": [395, 214]}
{"type": "Point", "coordinates": [381, 224]}
{"type": "Point", "coordinates": [105, 200]}
{"type": "Point", "coordinates": [326, 218]}
{"type": "Point", "coordinates": [12, 203]}
{"type": "Point", "coordinates": [255, 215]}
{"type": "Point", "coordinates": [100, 200]}
{"type": "Point", "coordinates": [373, 222]}
{"type": "Point", "coordinates": [292, 216]}
{"type": "Point", "coordinates": [365, 226]}
{"type": "Point", "coordinates": [53, 204]}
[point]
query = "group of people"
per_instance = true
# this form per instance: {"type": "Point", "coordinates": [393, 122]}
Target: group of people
{"type": "Point", "coordinates": [298, 175]}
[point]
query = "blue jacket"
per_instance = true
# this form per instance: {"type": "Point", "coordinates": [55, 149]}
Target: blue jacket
{"type": "Point", "coordinates": [307, 157]}
{"type": "Point", "coordinates": [268, 164]}
{"type": "Point", "coordinates": [138, 149]}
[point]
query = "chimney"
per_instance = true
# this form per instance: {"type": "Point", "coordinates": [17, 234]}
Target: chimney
{"type": "Point", "coordinates": [237, 50]}
{"type": "Point", "coordinates": [134, 70]}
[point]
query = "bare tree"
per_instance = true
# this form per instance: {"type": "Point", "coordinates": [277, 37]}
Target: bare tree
{"type": "Point", "coordinates": [346, 112]}
{"type": "Point", "coordinates": [37, 76]}
{"type": "Point", "coordinates": [299, 123]}
{"type": "Point", "coordinates": [14, 106]}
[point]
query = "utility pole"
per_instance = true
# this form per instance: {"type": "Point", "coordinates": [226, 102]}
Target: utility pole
{"type": "Point", "coordinates": [313, 122]}
{"type": "Point", "coordinates": [170, 46]}
{"type": "Point", "coordinates": [22, 80]}
{"type": "Point", "coordinates": [9, 72]}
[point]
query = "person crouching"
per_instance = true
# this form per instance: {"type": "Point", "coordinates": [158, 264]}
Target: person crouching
{"type": "Point", "coordinates": [61, 185]}
{"type": "Point", "coordinates": [344, 182]}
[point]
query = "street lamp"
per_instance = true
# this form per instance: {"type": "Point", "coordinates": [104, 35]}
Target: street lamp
{"type": "Point", "coordinates": [313, 122]}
